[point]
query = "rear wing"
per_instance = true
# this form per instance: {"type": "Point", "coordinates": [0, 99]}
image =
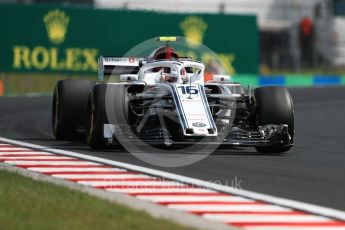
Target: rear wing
{"type": "Point", "coordinates": [117, 65]}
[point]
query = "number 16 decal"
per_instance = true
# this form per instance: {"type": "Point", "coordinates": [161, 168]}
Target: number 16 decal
{"type": "Point", "coordinates": [188, 89]}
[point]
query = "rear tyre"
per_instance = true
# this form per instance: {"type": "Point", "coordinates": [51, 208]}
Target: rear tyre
{"type": "Point", "coordinates": [275, 106]}
{"type": "Point", "coordinates": [69, 107]}
{"type": "Point", "coordinates": [104, 98]}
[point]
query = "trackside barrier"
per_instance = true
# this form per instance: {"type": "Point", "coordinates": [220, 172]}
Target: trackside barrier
{"type": "Point", "coordinates": [43, 84]}
{"type": "Point", "coordinates": [290, 80]}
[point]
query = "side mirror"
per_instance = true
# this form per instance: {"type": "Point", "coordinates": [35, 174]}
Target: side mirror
{"type": "Point", "coordinates": [129, 77]}
{"type": "Point", "coordinates": [225, 78]}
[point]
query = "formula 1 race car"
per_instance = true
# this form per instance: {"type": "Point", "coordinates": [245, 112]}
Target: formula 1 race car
{"type": "Point", "coordinates": [163, 99]}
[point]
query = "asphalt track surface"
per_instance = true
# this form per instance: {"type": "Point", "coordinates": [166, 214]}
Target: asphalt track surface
{"type": "Point", "coordinates": [313, 171]}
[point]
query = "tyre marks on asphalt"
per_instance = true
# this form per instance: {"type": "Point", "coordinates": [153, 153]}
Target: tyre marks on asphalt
{"type": "Point", "coordinates": [234, 210]}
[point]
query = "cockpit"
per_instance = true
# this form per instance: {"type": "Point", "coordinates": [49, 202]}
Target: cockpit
{"type": "Point", "coordinates": [163, 71]}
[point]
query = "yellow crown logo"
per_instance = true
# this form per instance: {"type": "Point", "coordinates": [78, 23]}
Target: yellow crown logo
{"type": "Point", "coordinates": [193, 28]}
{"type": "Point", "coordinates": [56, 22]}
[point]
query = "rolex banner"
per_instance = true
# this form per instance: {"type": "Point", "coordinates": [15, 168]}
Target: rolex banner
{"type": "Point", "coordinates": [42, 38]}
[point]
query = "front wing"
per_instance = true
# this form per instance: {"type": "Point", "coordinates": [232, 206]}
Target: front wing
{"type": "Point", "coordinates": [268, 135]}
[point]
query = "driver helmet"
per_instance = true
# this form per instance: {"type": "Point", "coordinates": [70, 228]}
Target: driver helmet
{"type": "Point", "coordinates": [164, 53]}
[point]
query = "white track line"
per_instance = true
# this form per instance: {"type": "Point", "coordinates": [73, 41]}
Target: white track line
{"type": "Point", "coordinates": [224, 207]}
{"type": "Point", "coordinates": [33, 163]}
{"type": "Point", "coordinates": [250, 194]}
{"type": "Point", "coordinates": [162, 190]}
{"type": "Point", "coordinates": [67, 169]}
{"type": "Point", "coordinates": [101, 176]}
{"type": "Point", "coordinates": [2, 149]}
{"type": "Point", "coordinates": [25, 153]}
{"type": "Point", "coordinates": [245, 218]}
{"type": "Point", "coordinates": [289, 227]}
{"type": "Point", "coordinates": [166, 184]}
{"type": "Point", "coordinates": [193, 198]}
{"type": "Point", "coordinates": [37, 158]}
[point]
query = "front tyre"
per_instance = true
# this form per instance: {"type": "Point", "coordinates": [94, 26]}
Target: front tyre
{"type": "Point", "coordinates": [275, 106]}
{"type": "Point", "coordinates": [69, 107]}
{"type": "Point", "coordinates": [104, 95]}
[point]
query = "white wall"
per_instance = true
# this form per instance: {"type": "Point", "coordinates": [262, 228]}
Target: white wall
{"type": "Point", "coordinates": [339, 40]}
{"type": "Point", "coordinates": [267, 11]}
{"type": "Point", "coordinates": [272, 15]}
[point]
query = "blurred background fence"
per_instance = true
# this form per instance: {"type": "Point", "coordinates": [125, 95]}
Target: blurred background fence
{"type": "Point", "coordinates": [282, 42]}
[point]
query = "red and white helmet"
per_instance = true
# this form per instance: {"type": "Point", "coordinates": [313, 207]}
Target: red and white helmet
{"type": "Point", "coordinates": [163, 53]}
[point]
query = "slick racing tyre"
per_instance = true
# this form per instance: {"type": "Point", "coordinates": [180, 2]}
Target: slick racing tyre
{"type": "Point", "coordinates": [69, 107]}
{"type": "Point", "coordinates": [103, 95]}
{"type": "Point", "coordinates": [274, 106]}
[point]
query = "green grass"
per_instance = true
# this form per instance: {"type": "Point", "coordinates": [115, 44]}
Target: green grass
{"type": "Point", "coordinates": [41, 83]}
{"type": "Point", "coordinates": [23, 83]}
{"type": "Point", "coordinates": [29, 204]}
